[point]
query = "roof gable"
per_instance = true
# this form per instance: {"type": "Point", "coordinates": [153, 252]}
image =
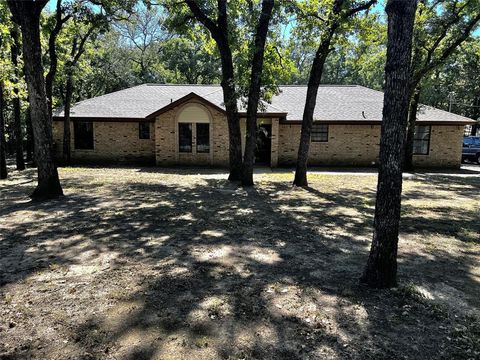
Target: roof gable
{"type": "Point", "coordinates": [187, 98]}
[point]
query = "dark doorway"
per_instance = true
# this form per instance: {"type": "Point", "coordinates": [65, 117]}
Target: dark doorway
{"type": "Point", "coordinates": [264, 145]}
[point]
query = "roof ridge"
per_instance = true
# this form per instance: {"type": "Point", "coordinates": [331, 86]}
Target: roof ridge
{"type": "Point", "coordinates": [154, 84]}
{"type": "Point", "coordinates": [280, 85]}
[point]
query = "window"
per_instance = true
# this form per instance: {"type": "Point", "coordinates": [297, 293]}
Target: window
{"type": "Point", "coordinates": [319, 133]}
{"type": "Point", "coordinates": [144, 130]}
{"type": "Point", "coordinates": [203, 138]}
{"type": "Point", "coordinates": [83, 135]}
{"type": "Point", "coordinates": [185, 137]}
{"type": "Point", "coordinates": [421, 140]}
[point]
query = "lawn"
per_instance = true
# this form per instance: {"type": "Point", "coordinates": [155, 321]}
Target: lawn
{"type": "Point", "coordinates": [179, 264]}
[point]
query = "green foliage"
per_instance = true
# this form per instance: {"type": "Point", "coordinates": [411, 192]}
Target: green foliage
{"type": "Point", "coordinates": [358, 45]}
{"type": "Point", "coordinates": [441, 26]}
{"type": "Point", "coordinates": [243, 16]}
{"type": "Point", "coordinates": [190, 61]}
{"type": "Point", "coordinates": [137, 42]}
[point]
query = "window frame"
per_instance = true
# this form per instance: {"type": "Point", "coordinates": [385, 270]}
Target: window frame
{"type": "Point", "coordinates": [197, 125]}
{"type": "Point", "coordinates": [76, 125]}
{"type": "Point", "coordinates": [315, 133]}
{"type": "Point", "coordinates": [146, 126]}
{"type": "Point", "coordinates": [180, 150]}
{"type": "Point", "coordinates": [422, 140]}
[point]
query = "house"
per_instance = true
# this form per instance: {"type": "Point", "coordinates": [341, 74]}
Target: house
{"type": "Point", "coordinates": [186, 124]}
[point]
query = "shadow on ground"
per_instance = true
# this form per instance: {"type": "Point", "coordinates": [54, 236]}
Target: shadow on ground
{"type": "Point", "coordinates": [193, 267]}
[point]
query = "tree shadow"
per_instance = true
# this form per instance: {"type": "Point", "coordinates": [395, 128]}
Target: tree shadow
{"type": "Point", "coordinates": [210, 270]}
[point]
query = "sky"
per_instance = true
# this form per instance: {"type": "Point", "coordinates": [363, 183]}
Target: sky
{"type": "Point", "coordinates": [377, 8]}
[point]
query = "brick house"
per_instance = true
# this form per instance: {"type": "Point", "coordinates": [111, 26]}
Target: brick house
{"type": "Point", "coordinates": [186, 124]}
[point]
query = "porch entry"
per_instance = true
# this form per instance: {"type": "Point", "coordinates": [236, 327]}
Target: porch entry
{"type": "Point", "coordinates": [263, 149]}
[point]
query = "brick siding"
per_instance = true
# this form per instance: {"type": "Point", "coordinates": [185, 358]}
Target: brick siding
{"type": "Point", "coordinates": [348, 145]}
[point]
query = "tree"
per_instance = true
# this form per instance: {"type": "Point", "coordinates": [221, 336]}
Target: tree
{"type": "Point", "coordinates": [337, 14]}
{"type": "Point", "coordinates": [27, 15]}
{"type": "Point", "coordinates": [3, 155]}
{"type": "Point", "coordinates": [254, 90]}
{"type": "Point", "coordinates": [359, 57]}
{"type": "Point", "coordinates": [59, 20]}
{"type": "Point", "coordinates": [17, 121]}
{"type": "Point", "coordinates": [442, 26]}
{"type": "Point", "coordinates": [187, 60]}
{"type": "Point", "coordinates": [78, 48]}
{"type": "Point", "coordinates": [142, 35]}
{"type": "Point", "coordinates": [220, 31]}
{"type": "Point", "coordinates": [381, 269]}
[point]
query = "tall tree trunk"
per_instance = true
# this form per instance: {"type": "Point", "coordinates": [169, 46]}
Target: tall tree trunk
{"type": "Point", "coordinates": [475, 114]}
{"type": "Point", "coordinates": [30, 142]}
{"type": "Point", "coordinates": [220, 33]}
{"type": "Point", "coordinates": [52, 53]}
{"type": "Point", "coordinates": [310, 103]}
{"type": "Point", "coordinates": [412, 119]}
{"type": "Point", "coordinates": [231, 108]}
{"type": "Point", "coordinates": [17, 120]}
{"type": "Point", "coordinates": [3, 150]}
{"type": "Point", "coordinates": [66, 124]}
{"type": "Point", "coordinates": [381, 268]}
{"type": "Point", "coordinates": [27, 15]}
{"type": "Point", "coordinates": [337, 16]}
{"type": "Point", "coordinates": [254, 91]}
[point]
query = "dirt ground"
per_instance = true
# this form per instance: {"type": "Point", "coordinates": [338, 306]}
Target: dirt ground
{"type": "Point", "coordinates": [148, 263]}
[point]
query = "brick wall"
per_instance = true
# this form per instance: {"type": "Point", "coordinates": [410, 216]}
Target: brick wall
{"type": "Point", "coordinates": [358, 145]}
{"type": "Point", "coordinates": [445, 148]}
{"type": "Point", "coordinates": [114, 142]}
{"type": "Point", "coordinates": [166, 147]}
{"type": "Point", "coordinates": [347, 145]}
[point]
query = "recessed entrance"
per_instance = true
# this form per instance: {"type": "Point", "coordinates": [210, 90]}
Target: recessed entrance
{"type": "Point", "coordinates": [264, 145]}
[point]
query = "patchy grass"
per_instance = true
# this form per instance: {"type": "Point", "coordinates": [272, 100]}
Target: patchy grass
{"type": "Point", "coordinates": [174, 264]}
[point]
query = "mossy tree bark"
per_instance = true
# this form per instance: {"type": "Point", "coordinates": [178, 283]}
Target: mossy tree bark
{"type": "Point", "coordinates": [381, 268]}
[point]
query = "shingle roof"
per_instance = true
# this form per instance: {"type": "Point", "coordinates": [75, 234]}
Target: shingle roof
{"type": "Point", "coordinates": [335, 103]}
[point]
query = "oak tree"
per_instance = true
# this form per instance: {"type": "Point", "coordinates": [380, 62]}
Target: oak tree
{"type": "Point", "coordinates": [328, 18]}
{"type": "Point", "coordinates": [27, 15]}
{"type": "Point", "coordinates": [381, 268]}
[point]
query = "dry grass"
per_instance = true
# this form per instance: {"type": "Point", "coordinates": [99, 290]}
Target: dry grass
{"type": "Point", "coordinates": [180, 264]}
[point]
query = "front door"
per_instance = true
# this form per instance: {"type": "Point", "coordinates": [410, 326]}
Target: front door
{"type": "Point", "coordinates": [264, 145]}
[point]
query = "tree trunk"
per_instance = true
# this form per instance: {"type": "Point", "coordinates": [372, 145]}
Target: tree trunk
{"type": "Point", "coordinates": [17, 121]}
{"type": "Point", "coordinates": [27, 15]}
{"type": "Point", "coordinates": [254, 91]}
{"type": "Point", "coordinates": [3, 150]}
{"type": "Point", "coordinates": [381, 268]}
{"type": "Point", "coordinates": [231, 108]}
{"type": "Point", "coordinates": [412, 119]}
{"type": "Point", "coordinates": [475, 115]}
{"type": "Point", "coordinates": [310, 103]}
{"type": "Point", "coordinates": [220, 34]}
{"type": "Point", "coordinates": [52, 53]}
{"type": "Point", "coordinates": [337, 16]}
{"type": "Point", "coordinates": [30, 145]}
{"type": "Point", "coordinates": [66, 124]}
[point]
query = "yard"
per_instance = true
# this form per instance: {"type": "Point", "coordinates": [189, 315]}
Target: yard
{"type": "Point", "coordinates": [179, 264]}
